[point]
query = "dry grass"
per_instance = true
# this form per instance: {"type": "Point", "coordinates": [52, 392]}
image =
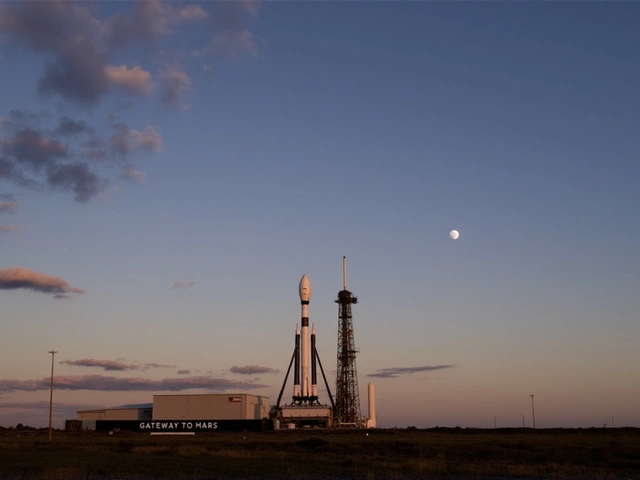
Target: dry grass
{"type": "Point", "coordinates": [312, 455]}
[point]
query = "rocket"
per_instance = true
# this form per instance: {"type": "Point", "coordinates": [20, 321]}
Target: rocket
{"type": "Point", "coordinates": [305, 356]}
{"type": "Point", "coordinates": [305, 352]}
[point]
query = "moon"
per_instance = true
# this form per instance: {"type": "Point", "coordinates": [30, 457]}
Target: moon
{"type": "Point", "coordinates": [454, 234]}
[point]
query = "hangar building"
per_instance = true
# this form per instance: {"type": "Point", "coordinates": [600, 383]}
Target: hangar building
{"type": "Point", "coordinates": [182, 414]}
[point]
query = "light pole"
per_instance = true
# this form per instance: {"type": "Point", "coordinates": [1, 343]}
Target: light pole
{"type": "Point", "coordinates": [522, 421]}
{"type": "Point", "coordinates": [533, 412]}
{"type": "Point", "coordinates": [53, 354]}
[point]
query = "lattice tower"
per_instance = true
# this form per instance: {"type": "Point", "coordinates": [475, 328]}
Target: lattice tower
{"type": "Point", "coordinates": [347, 396]}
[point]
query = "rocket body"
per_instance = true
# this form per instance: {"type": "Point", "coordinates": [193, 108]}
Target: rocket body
{"type": "Point", "coordinates": [305, 350]}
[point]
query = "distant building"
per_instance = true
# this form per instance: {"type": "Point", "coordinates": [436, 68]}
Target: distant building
{"type": "Point", "coordinates": [182, 414]}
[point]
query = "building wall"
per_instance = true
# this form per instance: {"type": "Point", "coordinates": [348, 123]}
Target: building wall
{"type": "Point", "coordinates": [210, 406]}
{"type": "Point", "coordinates": [257, 407]}
{"type": "Point", "coordinates": [125, 414]}
{"type": "Point", "coordinates": [91, 415]}
{"type": "Point", "coordinates": [87, 416]}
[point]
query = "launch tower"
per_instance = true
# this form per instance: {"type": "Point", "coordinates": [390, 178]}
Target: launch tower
{"type": "Point", "coordinates": [347, 411]}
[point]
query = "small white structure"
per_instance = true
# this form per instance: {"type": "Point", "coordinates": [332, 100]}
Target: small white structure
{"type": "Point", "coordinates": [371, 421]}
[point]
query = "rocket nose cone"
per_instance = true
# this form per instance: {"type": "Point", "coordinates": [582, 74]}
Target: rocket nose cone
{"type": "Point", "coordinates": [305, 289]}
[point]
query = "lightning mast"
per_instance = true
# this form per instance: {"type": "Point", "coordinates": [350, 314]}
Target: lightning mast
{"type": "Point", "coordinates": [347, 410]}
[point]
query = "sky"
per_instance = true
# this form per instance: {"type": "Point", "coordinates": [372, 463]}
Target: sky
{"type": "Point", "coordinates": [170, 170]}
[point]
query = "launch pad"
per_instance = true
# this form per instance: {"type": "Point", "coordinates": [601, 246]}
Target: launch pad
{"type": "Point", "coordinates": [305, 409]}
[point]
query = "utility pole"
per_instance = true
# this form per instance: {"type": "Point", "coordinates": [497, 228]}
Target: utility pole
{"type": "Point", "coordinates": [495, 422]}
{"type": "Point", "coordinates": [53, 354]}
{"type": "Point", "coordinates": [533, 412]}
{"type": "Point", "coordinates": [522, 420]}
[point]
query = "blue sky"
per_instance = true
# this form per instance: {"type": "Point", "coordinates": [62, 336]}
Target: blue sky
{"type": "Point", "coordinates": [169, 171]}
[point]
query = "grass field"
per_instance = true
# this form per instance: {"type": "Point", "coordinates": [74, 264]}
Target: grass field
{"type": "Point", "coordinates": [325, 454]}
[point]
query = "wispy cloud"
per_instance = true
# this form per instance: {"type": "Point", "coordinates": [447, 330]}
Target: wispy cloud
{"type": "Point", "coordinates": [149, 20]}
{"type": "Point", "coordinates": [133, 175]}
{"type": "Point", "coordinates": [113, 365]}
{"type": "Point", "coordinates": [175, 83]}
{"type": "Point", "coordinates": [252, 370]}
{"type": "Point", "coordinates": [183, 372]}
{"type": "Point", "coordinates": [7, 202]}
{"type": "Point", "coordinates": [16, 278]}
{"type": "Point", "coordinates": [399, 371]}
{"type": "Point", "coordinates": [12, 228]}
{"type": "Point", "coordinates": [127, 140]}
{"type": "Point", "coordinates": [107, 365]}
{"type": "Point", "coordinates": [105, 383]}
{"type": "Point", "coordinates": [183, 284]}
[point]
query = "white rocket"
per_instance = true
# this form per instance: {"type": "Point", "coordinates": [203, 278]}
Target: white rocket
{"type": "Point", "coordinates": [305, 352]}
{"type": "Point", "coordinates": [304, 378]}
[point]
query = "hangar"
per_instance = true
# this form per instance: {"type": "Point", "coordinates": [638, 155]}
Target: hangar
{"type": "Point", "coordinates": [182, 414]}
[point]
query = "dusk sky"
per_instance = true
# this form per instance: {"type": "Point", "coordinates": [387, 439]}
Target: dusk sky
{"type": "Point", "coordinates": [169, 171]}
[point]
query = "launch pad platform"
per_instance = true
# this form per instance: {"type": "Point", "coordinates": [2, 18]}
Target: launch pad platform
{"type": "Point", "coordinates": [302, 416]}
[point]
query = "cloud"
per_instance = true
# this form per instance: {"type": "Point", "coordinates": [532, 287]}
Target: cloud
{"type": "Point", "coordinates": [174, 85]}
{"type": "Point", "coordinates": [68, 126]}
{"type": "Point", "coordinates": [81, 48]}
{"type": "Point", "coordinates": [30, 148]}
{"type": "Point", "coordinates": [15, 278]}
{"type": "Point", "coordinates": [126, 140]}
{"type": "Point", "coordinates": [69, 32]}
{"type": "Point", "coordinates": [106, 383]}
{"type": "Point", "coordinates": [192, 12]}
{"type": "Point", "coordinates": [231, 44]}
{"type": "Point", "coordinates": [113, 365]}
{"type": "Point", "coordinates": [61, 296]}
{"type": "Point", "coordinates": [76, 178]}
{"type": "Point", "coordinates": [252, 370]}
{"type": "Point", "coordinates": [148, 20]}
{"type": "Point", "coordinates": [7, 204]}
{"type": "Point", "coordinates": [183, 372]}
{"type": "Point", "coordinates": [133, 79]}
{"type": "Point", "coordinates": [147, 366]}
{"type": "Point", "coordinates": [33, 157]}
{"type": "Point", "coordinates": [28, 157]}
{"type": "Point", "coordinates": [398, 371]}
{"type": "Point", "coordinates": [11, 228]}
{"type": "Point", "coordinates": [183, 284]}
{"type": "Point", "coordinates": [107, 365]}
{"type": "Point", "coordinates": [231, 35]}
{"type": "Point", "coordinates": [79, 71]}
{"type": "Point", "coordinates": [133, 175]}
